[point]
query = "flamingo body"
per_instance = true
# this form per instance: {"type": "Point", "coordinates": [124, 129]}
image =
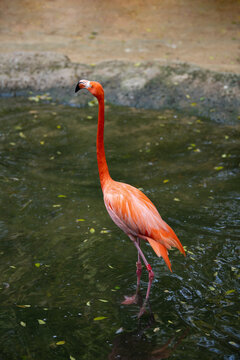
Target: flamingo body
{"type": "Point", "coordinates": [135, 214]}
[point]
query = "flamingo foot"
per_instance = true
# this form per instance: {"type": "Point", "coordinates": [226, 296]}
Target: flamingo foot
{"type": "Point", "coordinates": [129, 300]}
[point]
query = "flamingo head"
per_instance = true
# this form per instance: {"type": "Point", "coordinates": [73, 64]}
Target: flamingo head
{"type": "Point", "coordinates": [92, 86]}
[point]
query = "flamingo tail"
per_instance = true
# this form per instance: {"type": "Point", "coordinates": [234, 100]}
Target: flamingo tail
{"type": "Point", "coordinates": [177, 243]}
{"type": "Point", "coordinates": [160, 250]}
{"type": "Point", "coordinates": [162, 241]}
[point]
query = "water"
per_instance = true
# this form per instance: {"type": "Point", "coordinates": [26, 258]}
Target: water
{"type": "Point", "coordinates": [65, 267]}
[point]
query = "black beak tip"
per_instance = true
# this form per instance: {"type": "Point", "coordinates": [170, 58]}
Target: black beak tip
{"type": "Point", "coordinates": [77, 88]}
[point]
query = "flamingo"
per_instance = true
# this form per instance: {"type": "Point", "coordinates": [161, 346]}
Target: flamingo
{"type": "Point", "coordinates": [129, 208]}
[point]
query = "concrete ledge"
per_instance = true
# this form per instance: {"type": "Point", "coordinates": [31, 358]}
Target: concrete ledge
{"type": "Point", "coordinates": [153, 85]}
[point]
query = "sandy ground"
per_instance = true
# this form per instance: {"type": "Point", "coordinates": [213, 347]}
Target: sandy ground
{"type": "Point", "coordinates": [202, 32]}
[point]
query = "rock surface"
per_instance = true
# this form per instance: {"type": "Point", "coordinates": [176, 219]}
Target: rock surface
{"type": "Point", "coordinates": [153, 85]}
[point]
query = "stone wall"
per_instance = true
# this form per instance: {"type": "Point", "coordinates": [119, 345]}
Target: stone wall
{"type": "Point", "coordinates": [153, 85]}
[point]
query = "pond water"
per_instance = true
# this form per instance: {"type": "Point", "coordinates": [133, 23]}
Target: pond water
{"type": "Point", "coordinates": [65, 266]}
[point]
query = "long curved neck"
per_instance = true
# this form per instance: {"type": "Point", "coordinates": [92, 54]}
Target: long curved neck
{"type": "Point", "coordinates": [101, 158]}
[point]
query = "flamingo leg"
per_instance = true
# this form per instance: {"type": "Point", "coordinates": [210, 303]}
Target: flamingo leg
{"type": "Point", "coordinates": [139, 267]}
{"type": "Point", "coordinates": [150, 276]}
{"type": "Point", "coordinates": [134, 298]}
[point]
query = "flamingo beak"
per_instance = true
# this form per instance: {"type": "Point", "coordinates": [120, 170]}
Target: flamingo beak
{"type": "Point", "coordinates": [77, 88]}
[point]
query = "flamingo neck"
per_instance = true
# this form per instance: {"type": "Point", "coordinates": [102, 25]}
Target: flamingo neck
{"type": "Point", "coordinates": [101, 158]}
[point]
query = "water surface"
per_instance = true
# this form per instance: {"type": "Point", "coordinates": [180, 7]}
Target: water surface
{"type": "Point", "coordinates": [65, 266]}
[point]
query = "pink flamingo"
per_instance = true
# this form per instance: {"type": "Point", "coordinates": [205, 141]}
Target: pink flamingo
{"type": "Point", "coordinates": [129, 208]}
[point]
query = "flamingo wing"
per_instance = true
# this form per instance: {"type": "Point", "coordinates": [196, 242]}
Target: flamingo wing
{"type": "Point", "coordinates": [136, 215]}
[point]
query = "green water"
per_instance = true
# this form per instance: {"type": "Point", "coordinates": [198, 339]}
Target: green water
{"type": "Point", "coordinates": [64, 263]}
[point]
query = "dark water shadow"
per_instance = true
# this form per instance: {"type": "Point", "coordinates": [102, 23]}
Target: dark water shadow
{"type": "Point", "coordinates": [136, 345]}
